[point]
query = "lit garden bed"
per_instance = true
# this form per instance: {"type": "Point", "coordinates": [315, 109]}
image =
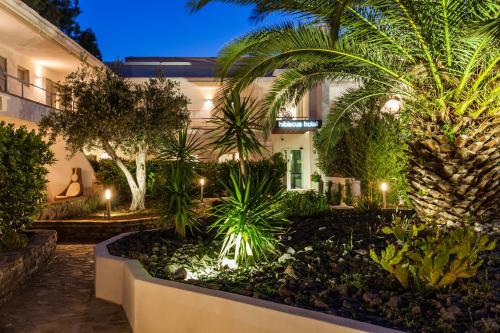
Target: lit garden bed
{"type": "Point", "coordinates": [322, 273]}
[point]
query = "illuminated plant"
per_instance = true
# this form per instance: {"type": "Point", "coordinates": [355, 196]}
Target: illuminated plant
{"type": "Point", "coordinates": [432, 256]}
{"type": "Point", "coordinates": [249, 219]}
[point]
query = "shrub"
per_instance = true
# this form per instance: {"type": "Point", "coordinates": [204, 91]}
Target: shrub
{"type": "Point", "coordinates": [431, 255]}
{"type": "Point", "coordinates": [77, 207]}
{"type": "Point", "coordinates": [307, 203]}
{"type": "Point", "coordinates": [250, 218]}
{"type": "Point", "coordinates": [24, 156]}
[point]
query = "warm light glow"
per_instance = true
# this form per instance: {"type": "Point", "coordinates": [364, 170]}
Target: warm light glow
{"type": "Point", "coordinates": [392, 106]}
{"type": "Point", "coordinates": [208, 104]}
{"type": "Point", "coordinates": [104, 156]}
{"type": "Point", "coordinates": [107, 194]}
{"type": "Point", "coordinates": [202, 181]}
{"type": "Point", "coordinates": [384, 187]}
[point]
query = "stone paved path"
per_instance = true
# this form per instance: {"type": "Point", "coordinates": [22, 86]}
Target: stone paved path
{"type": "Point", "coordinates": [61, 299]}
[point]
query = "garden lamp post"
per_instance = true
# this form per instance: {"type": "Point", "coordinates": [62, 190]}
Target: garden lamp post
{"type": "Point", "coordinates": [384, 187]}
{"type": "Point", "coordinates": [107, 196]}
{"type": "Point", "coordinates": [202, 183]}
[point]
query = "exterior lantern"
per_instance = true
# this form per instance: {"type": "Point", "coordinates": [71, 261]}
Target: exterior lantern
{"type": "Point", "coordinates": [202, 183]}
{"type": "Point", "coordinates": [384, 187]}
{"type": "Point", "coordinates": [107, 196]}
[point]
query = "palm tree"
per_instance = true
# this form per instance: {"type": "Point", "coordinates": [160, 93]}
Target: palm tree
{"type": "Point", "coordinates": [237, 124]}
{"type": "Point", "coordinates": [440, 58]}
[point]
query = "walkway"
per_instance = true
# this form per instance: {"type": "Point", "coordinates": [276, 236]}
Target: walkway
{"type": "Point", "coordinates": [61, 299]}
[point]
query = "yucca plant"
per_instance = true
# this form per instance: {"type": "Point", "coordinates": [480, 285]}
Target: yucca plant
{"type": "Point", "coordinates": [179, 203]}
{"type": "Point", "coordinates": [439, 58]}
{"type": "Point", "coordinates": [238, 122]}
{"type": "Point", "coordinates": [249, 219]}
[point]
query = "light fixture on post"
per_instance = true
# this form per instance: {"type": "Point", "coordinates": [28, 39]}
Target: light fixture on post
{"type": "Point", "coordinates": [384, 187]}
{"type": "Point", "coordinates": [202, 183]}
{"type": "Point", "coordinates": [107, 196]}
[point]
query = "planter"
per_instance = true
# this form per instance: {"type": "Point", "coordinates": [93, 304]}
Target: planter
{"type": "Point", "coordinates": [155, 305]}
{"type": "Point", "coordinates": [18, 266]}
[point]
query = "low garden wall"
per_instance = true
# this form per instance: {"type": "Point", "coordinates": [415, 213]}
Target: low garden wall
{"type": "Point", "coordinates": [18, 266]}
{"type": "Point", "coordinates": [94, 230]}
{"type": "Point", "coordinates": [155, 305]}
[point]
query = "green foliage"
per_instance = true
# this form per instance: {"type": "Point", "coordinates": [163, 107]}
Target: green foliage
{"type": "Point", "coordinates": [237, 124]}
{"type": "Point", "coordinates": [180, 187]}
{"type": "Point", "coordinates": [102, 110]}
{"type": "Point", "coordinates": [24, 156]}
{"type": "Point", "coordinates": [367, 145]}
{"type": "Point", "coordinates": [159, 174]}
{"type": "Point", "coordinates": [432, 256]}
{"type": "Point", "coordinates": [77, 207]}
{"type": "Point", "coordinates": [307, 203]}
{"type": "Point", "coordinates": [249, 219]}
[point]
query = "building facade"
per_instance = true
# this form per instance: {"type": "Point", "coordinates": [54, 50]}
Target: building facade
{"type": "Point", "coordinates": [293, 133]}
{"type": "Point", "coordinates": [34, 56]}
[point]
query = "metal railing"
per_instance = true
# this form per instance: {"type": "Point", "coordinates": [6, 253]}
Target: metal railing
{"type": "Point", "coordinates": [14, 86]}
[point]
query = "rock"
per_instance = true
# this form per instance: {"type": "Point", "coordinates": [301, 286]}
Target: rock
{"type": "Point", "coordinates": [336, 268]}
{"type": "Point", "coordinates": [284, 292]}
{"type": "Point", "coordinates": [320, 304]}
{"type": "Point", "coordinates": [290, 251]}
{"type": "Point", "coordinates": [180, 274]}
{"type": "Point", "coordinates": [321, 228]}
{"type": "Point", "coordinates": [308, 248]}
{"type": "Point", "coordinates": [491, 325]}
{"type": "Point", "coordinates": [372, 299]}
{"type": "Point", "coordinates": [362, 252]}
{"type": "Point", "coordinates": [415, 310]}
{"type": "Point", "coordinates": [343, 290]}
{"type": "Point", "coordinates": [455, 310]}
{"type": "Point", "coordinates": [436, 304]}
{"type": "Point", "coordinates": [288, 300]}
{"type": "Point", "coordinates": [346, 304]}
{"type": "Point", "coordinates": [289, 271]}
{"type": "Point", "coordinates": [284, 258]}
{"type": "Point", "coordinates": [393, 302]}
{"type": "Point", "coordinates": [451, 313]}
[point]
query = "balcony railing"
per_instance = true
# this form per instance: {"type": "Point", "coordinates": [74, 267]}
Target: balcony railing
{"type": "Point", "coordinates": [12, 85]}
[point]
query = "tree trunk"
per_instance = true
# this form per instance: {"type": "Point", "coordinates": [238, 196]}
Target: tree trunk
{"type": "Point", "coordinates": [137, 187]}
{"type": "Point", "coordinates": [140, 163]}
{"type": "Point", "coordinates": [456, 178]}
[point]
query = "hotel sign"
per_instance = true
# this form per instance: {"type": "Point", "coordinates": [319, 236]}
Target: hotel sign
{"type": "Point", "coordinates": [296, 126]}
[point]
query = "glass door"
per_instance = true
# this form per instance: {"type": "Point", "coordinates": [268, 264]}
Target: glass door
{"type": "Point", "coordinates": [295, 177]}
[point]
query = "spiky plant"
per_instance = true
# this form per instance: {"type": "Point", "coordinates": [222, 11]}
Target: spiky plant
{"type": "Point", "coordinates": [440, 58]}
{"type": "Point", "coordinates": [237, 124]}
{"type": "Point", "coordinates": [249, 218]}
{"type": "Point", "coordinates": [178, 207]}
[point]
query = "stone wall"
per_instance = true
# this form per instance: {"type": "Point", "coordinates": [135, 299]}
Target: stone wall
{"type": "Point", "coordinates": [18, 266]}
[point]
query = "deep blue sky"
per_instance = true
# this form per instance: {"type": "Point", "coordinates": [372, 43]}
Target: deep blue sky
{"type": "Point", "coordinates": [164, 27]}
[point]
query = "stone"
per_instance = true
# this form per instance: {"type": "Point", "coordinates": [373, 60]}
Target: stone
{"type": "Point", "coordinates": [284, 258]}
{"type": "Point", "coordinates": [415, 310]}
{"type": "Point", "coordinates": [180, 274]}
{"type": "Point", "coordinates": [343, 290]}
{"type": "Point", "coordinates": [284, 292]}
{"type": "Point", "coordinates": [393, 302]}
{"type": "Point", "coordinates": [289, 271]}
{"type": "Point", "coordinates": [371, 298]}
{"type": "Point", "coordinates": [320, 304]}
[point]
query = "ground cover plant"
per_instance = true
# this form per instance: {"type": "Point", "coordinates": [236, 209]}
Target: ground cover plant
{"type": "Point", "coordinates": [24, 157]}
{"type": "Point", "coordinates": [323, 264]}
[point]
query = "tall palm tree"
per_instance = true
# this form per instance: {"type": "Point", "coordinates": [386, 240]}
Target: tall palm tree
{"type": "Point", "coordinates": [440, 58]}
{"type": "Point", "coordinates": [237, 124]}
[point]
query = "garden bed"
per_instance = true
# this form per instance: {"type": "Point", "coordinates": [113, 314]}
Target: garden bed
{"type": "Point", "coordinates": [324, 266]}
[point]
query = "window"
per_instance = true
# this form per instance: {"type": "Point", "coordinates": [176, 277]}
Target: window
{"type": "Point", "coordinates": [3, 74]}
{"type": "Point", "coordinates": [23, 75]}
{"type": "Point", "coordinates": [50, 93]}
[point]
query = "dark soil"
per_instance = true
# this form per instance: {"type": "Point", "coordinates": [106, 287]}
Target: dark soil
{"type": "Point", "coordinates": [324, 265]}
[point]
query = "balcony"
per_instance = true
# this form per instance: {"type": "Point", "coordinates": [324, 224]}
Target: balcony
{"type": "Point", "coordinates": [26, 101]}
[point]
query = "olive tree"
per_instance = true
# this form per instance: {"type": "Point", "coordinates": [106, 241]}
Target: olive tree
{"type": "Point", "coordinates": [102, 110]}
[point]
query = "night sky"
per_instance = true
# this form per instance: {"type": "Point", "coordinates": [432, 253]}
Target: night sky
{"type": "Point", "coordinates": [164, 27]}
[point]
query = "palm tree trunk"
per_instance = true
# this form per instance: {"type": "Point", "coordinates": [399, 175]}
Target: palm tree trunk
{"type": "Point", "coordinates": [456, 178]}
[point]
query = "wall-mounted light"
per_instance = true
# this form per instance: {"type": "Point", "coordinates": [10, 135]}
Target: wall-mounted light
{"type": "Point", "coordinates": [208, 104]}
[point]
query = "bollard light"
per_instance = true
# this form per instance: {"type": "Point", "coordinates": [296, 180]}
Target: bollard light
{"type": "Point", "coordinates": [384, 187]}
{"type": "Point", "coordinates": [202, 183]}
{"type": "Point", "coordinates": [107, 196]}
